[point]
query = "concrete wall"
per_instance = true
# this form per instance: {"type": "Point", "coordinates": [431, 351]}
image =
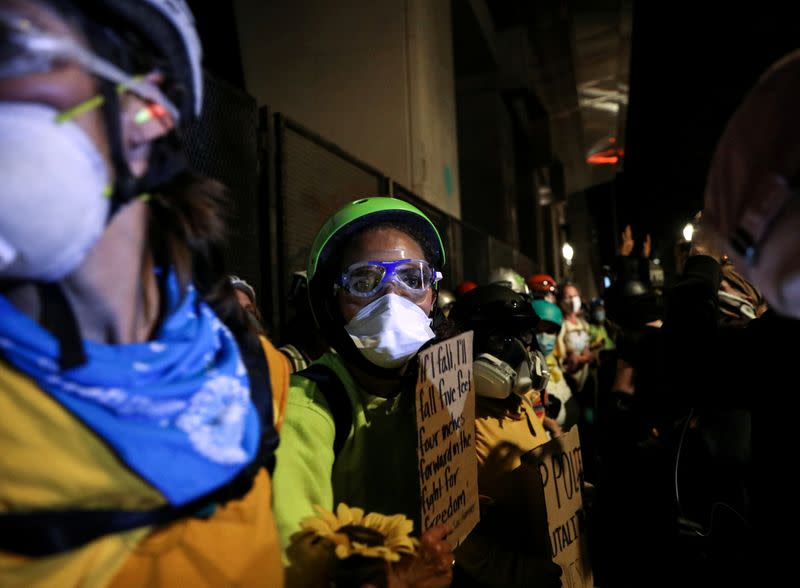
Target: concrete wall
{"type": "Point", "coordinates": [434, 149]}
{"type": "Point", "coordinates": [487, 158]}
{"type": "Point", "coordinates": [373, 76]}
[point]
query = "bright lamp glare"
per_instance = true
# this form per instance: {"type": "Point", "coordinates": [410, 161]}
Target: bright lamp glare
{"type": "Point", "coordinates": [567, 252]}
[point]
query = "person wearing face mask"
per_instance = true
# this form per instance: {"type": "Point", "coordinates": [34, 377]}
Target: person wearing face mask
{"type": "Point", "coordinates": [509, 370]}
{"type": "Point", "coordinates": [600, 340]}
{"type": "Point", "coordinates": [578, 363]}
{"type": "Point", "coordinates": [140, 416]}
{"type": "Point", "coordinates": [350, 429]}
{"type": "Point", "coordinates": [572, 345]}
{"type": "Point", "coordinates": [560, 404]}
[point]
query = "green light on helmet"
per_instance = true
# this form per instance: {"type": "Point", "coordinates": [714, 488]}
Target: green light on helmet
{"type": "Point", "coordinates": [354, 215]}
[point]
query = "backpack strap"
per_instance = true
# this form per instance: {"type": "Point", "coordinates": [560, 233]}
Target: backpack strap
{"type": "Point", "coordinates": [280, 370]}
{"type": "Point", "coordinates": [58, 317]}
{"type": "Point", "coordinates": [332, 389]}
{"type": "Point", "coordinates": [298, 359]}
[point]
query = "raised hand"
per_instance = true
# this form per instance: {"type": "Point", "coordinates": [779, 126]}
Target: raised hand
{"type": "Point", "coordinates": [626, 246]}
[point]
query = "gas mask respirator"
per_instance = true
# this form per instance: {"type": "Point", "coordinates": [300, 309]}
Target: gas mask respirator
{"type": "Point", "coordinates": [496, 378]}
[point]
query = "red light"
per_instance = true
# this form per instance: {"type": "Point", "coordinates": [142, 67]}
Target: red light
{"type": "Point", "coordinates": [606, 151]}
{"type": "Point", "coordinates": [600, 159]}
{"type": "Point", "coordinates": [158, 111]}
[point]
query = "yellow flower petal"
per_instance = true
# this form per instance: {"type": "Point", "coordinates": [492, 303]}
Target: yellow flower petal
{"type": "Point", "coordinates": [394, 531]}
{"type": "Point", "coordinates": [344, 514]}
{"type": "Point", "coordinates": [404, 527]}
{"type": "Point", "coordinates": [349, 516]}
{"type": "Point", "coordinates": [375, 521]}
{"type": "Point", "coordinates": [381, 552]}
{"type": "Point", "coordinates": [401, 543]}
{"type": "Point", "coordinates": [328, 516]}
{"type": "Point", "coordinates": [343, 551]}
{"type": "Point", "coordinates": [338, 539]}
{"type": "Point", "coordinates": [399, 525]}
{"type": "Point", "coordinates": [317, 525]}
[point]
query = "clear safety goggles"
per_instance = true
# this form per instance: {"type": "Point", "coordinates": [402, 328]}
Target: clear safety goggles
{"type": "Point", "coordinates": [366, 278]}
{"type": "Point", "coordinates": [25, 49]}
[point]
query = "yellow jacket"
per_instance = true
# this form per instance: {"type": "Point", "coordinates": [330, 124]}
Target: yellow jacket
{"type": "Point", "coordinates": [48, 459]}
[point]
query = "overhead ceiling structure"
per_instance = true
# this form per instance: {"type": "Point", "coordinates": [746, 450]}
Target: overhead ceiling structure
{"type": "Point", "coordinates": [602, 40]}
{"type": "Point", "coordinates": [573, 55]}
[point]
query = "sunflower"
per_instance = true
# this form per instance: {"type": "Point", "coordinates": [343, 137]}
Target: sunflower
{"type": "Point", "coordinates": [354, 533]}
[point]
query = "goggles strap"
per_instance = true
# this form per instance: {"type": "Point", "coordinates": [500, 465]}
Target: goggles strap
{"type": "Point", "coordinates": [166, 155]}
{"type": "Point", "coordinates": [125, 185]}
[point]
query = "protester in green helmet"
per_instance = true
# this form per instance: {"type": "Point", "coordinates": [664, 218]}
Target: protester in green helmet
{"type": "Point", "coordinates": [349, 430]}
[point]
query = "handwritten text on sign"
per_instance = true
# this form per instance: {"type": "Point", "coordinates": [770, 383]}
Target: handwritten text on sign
{"type": "Point", "coordinates": [448, 467]}
{"type": "Point", "coordinates": [559, 470]}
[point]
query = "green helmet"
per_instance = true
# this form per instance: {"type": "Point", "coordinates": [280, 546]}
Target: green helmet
{"type": "Point", "coordinates": [548, 311]}
{"type": "Point", "coordinates": [333, 235]}
{"type": "Point", "coordinates": [359, 214]}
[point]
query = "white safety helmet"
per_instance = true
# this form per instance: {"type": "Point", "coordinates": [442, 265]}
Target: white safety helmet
{"type": "Point", "coordinates": [169, 26]}
{"type": "Point", "coordinates": [505, 276]}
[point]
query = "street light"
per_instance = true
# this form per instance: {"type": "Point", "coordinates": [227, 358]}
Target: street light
{"type": "Point", "coordinates": [688, 232]}
{"type": "Point", "coordinates": [568, 252]}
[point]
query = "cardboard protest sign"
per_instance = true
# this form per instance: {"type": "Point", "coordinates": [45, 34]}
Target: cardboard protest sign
{"type": "Point", "coordinates": [554, 473]}
{"type": "Point", "coordinates": [448, 467]}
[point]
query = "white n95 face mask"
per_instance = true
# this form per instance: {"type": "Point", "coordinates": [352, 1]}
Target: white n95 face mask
{"type": "Point", "coordinates": [52, 203]}
{"type": "Point", "coordinates": [389, 330]}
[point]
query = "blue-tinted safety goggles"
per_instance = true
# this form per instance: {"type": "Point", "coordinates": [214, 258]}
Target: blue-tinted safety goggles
{"type": "Point", "coordinates": [366, 278]}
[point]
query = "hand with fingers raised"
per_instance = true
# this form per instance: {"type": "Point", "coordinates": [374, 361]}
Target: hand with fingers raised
{"type": "Point", "coordinates": [627, 242]}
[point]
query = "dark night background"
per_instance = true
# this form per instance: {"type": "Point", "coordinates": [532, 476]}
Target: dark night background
{"type": "Point", "coordinates": [689, 71]}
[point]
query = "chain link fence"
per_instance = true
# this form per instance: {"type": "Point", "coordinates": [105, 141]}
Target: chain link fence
{"type": "Point", "coordinates": [284, 181]}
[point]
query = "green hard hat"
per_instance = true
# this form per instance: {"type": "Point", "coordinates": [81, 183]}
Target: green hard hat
{"type": "Point", "coordinates": [360, 214]}
{"type": "Point", "coordinates": [354, 217]}
{"type": "Point", "coordinates": [548, 311]}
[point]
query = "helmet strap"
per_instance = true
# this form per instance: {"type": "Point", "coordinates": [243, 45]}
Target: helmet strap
{"type": "Point", "coordinates": [166, 155]}
{"type": "Point", "coordinates": [166, 161]}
